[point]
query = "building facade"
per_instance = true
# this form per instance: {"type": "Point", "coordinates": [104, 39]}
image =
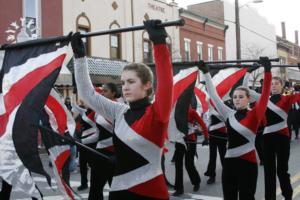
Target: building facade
{"type": "Point", "coordinates": [41, 13]}
{"type": "Point", "coordinates": [289, 53]}
{"type": "Point", "coordinates": [60, 17]}
{"type": "Point", "coordinates": [258, 36]}
{"type": "Point", "coordinates": [91, 16]}
{"type": "Point", "coordinates": [201, 38]}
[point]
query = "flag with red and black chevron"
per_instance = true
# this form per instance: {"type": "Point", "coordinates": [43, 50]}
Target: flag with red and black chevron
{"type": "Point", "coordinates": [26, 78]}
{"type": "Point", "coordinates": [58, 118]}
{"type": "Point", "coordinates": [183, 87]}
{"type": "Point", "coordinates": [225, 82]}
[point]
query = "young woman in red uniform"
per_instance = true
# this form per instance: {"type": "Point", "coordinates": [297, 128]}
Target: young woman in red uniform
{"type": "Point", "coordinates": [276, 140]}
{"type": "Point", "coordinates": [140, 128]}
{"type": "Point", "coordinates": [239, 174]}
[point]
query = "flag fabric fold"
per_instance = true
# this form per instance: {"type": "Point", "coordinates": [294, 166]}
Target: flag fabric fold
{"type": "Point", "coordinates": [183, 84]}
{"type": "Point", "coordinates": [26, 78]}
{"type": "Point", "coordinates": [227, 80]}
{"type": "Point", "coordinates": [60, 120]}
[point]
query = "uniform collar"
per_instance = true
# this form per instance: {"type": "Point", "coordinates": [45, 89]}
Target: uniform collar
{"type": "Point", "coordinates": [242, 111]}
{"type": "Point", "coordinates": [139, 103]}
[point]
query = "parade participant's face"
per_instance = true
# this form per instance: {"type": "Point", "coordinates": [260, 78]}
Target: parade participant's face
{"type": "Point", "coordinates": [276, 87]}
{"type": "Point", "coordinates": [132, 87]}
{"type": "Point", "coordinates": [106, 91]}
{"type": "Point", "coordinates": [240, 99]}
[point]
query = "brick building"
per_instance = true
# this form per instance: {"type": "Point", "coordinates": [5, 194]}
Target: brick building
{"type": "Point", "coordinates": [289, 53]}
{"type": "Point", "coordinates": [46, 15]}
{"type": "Point", "coordinates": [201, 38]}
{"type": "Point", "coordinates": [59, 17]}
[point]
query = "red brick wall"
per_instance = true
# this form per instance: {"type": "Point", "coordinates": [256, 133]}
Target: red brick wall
{"type": "Point", "coordinates": [10, 11]}
{"type": "Point", "coordinates": [52, 18]}
{"type": "Point", "coordinates": [195, 31]}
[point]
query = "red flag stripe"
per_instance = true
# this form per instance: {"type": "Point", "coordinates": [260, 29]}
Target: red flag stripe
{"type": "Point", "coordinates": [20, 89]}
{"type": "Point", "coordinates": [59, 163]}
{"type": "Point", "coordinates": [202, 97]}
{"type": "Point", "coordinates": [61, 159]}
{"type": "Point", "coordinates": [182, 84]}
{"type": "Point", "coordinates": [224, 87]}
{"type": "Point", "coordinates": [58, 112]}
{"type": "Point", "coordinates": [17, 72]}
{"type": "Point", "coordinates": [68, 190]}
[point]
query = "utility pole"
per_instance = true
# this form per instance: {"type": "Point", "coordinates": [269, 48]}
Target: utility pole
{"type": "Point", "coordinates": [237, 30]}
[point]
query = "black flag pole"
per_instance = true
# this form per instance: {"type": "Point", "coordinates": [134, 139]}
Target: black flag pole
{"type": "Point", "coordinates": [179, 22]}
{"type": "Point", "coordinates": [73, 141]}
{"type": "Point", "coordinates": [217, 63]}
{"type": "Point", "coordinates": [43, 41]}
{"type": "Point", "coordinates": [286, 65]}
{"type": "Point", "coordinates": [240, 61]}
{"type": "Point", "coordinates": [225, 66]}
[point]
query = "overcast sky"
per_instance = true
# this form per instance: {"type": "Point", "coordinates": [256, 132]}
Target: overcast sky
{"type": "Point", "coordinates": [275, 11]}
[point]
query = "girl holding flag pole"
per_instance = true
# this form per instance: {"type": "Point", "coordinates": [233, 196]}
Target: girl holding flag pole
{"type": "Point", "coordinates": [140, 127]}
{"type": "Point", "coordinates": [239, 174]}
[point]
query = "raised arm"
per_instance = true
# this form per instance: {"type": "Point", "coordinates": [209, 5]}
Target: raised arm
{"type": "Point", "coordinates": [164, 71]}
{"type": "Point", "coordinates": [253, 93]}
{"type": "Point", "coordinates": [164, 89]}
{"type": "Point", "coordinates": [246, 79]}
{"type": "Point", "coordinates": [76, 108]}
{"type": "Point", "coordinates": [261, 105]}
{"type": "Point", "coordinates": [86, 91]}
{"type": "Point", "coordinates": [220, 106]}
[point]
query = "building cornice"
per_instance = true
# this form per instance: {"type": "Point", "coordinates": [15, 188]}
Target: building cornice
{"type": "Point", "coordinates": [188, 13]}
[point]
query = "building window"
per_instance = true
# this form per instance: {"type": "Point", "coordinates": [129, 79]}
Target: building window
{"type": "Point", "coordinates": [210, 52]}
{"type": "Point", "coordinates": [115, 42]}
{"type": "Point", "coordinates": [83, 24]}
{"type": "Point", "coordinates": [187, 49]}
{"type": "Point", "coordinates": [147, 51]}
{"type": "Point", "coordinates": [115, 46]}
{"type": "Point", "coordinates": [31, 15]}
{"type": "Point", "coordinates": [199, 50]}
{"type": "Point", "coordinates": [220, 53]}
{"type": "Point", "coordinates": [282, 60]}
{"type": "Point", "coordinates": [86, 41]}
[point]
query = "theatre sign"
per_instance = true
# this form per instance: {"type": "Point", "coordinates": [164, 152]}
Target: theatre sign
{"type": "Point", "coordinates": [156, 8]}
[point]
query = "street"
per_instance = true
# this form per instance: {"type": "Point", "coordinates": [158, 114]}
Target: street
{"type": "Point", "coordinates": [206, 192]}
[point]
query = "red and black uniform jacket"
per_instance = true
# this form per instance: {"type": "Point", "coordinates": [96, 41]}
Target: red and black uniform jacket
{"type": "Point", "coordinates": [277, 111]}
{"type": "Point", "coordinates": [140, 130]}
{"type": "Point", "coordinates": [241, 125]}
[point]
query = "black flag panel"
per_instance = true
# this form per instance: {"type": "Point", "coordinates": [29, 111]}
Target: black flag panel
{"type": "Point", "coordinates": [27, 76]}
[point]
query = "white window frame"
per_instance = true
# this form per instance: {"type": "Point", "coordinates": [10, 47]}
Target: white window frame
{"type": "Point", "coordinates": [147, 51]}
{"type": "Point", "coordinates": [187, 41]}
{"type": "Point", "coordinates": [220, 53]}
{"type": "Point", "coordinates": [37, 15]}
{"type": "Point", "coordinates": [210, 52]}
{"type": "Point", "coordinates": [199, 50]}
